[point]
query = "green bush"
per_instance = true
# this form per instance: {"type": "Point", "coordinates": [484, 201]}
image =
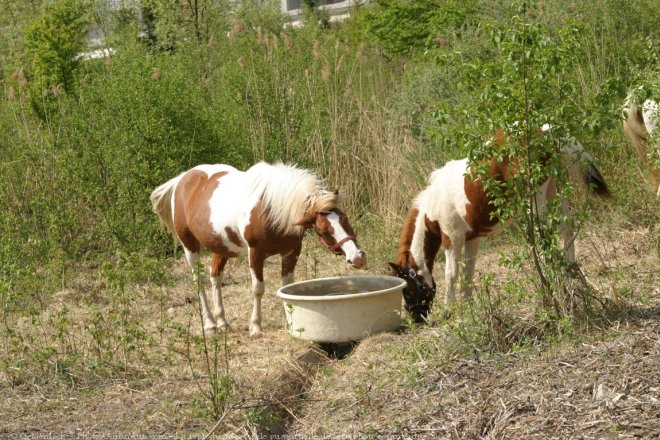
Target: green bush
{"type": "Point", "coordinates": [53, 43]}
{"type": "Point", "coordinates": [404, 27]}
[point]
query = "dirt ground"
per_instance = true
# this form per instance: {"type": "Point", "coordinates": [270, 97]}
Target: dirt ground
{"type": "Point", "coordinates": [605, 384]}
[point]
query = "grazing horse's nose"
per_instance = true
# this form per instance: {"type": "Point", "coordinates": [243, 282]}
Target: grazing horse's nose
{"type": "Point", "coordinates": [359, 259]}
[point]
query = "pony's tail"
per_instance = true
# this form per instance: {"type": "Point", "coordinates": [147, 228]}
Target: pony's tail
{"type": "Point", "coordinates": [595, 181]}
{"type": "Point", "coordinates": [161, 203]}
{"type": "Point", "coordinates": [583, 170]}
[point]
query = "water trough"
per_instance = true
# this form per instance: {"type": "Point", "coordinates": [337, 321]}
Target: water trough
{"type": "Point", "coordinates": [342, 309]}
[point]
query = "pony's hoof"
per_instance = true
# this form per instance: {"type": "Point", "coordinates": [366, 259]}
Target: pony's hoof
{"type": "Point", "coordinates": [209, 331]}
{"type": "Point", "coordinates": [224, 326]}
{"type": "Point", "coordinates": [255, 331]}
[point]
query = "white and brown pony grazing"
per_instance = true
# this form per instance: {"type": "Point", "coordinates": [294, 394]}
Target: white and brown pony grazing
{"type": "Point", "coordinates": [639, 124]}
{"type": "Point", "coordinates": [454, 212]}
{"type": "Point", "coordinates": [258, 213]}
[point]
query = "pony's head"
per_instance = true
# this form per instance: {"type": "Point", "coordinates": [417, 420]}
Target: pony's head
{"type": "Point", "coordinates": [336, 234]}
{"type": "Point", "coordinates": [418, 295]}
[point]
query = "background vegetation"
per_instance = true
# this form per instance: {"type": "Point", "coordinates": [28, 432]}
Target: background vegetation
{"type": "Point", "coordinates": [372, 105]}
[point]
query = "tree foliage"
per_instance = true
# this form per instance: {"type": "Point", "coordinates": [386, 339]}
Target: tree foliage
{"type": "Point", "coordinates": [410, 26]}
{"type": "Point", "coordinates": [169, 24]}
{"type": "Point", "coordinates": [15, 17]}
{"type": "Point", "coordinates": [528, 83]}
{"type": "Point", "coordinates": [54, 42]}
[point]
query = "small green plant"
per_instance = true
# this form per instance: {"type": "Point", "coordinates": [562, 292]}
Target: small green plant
{"type": "Point", "coordinates": [369, 432]}
{"type": "Point", "coordinates": [262, 417]}
{"type": "Point", "coordinates": [119, 332]}
{"type": "Point", "coordinates": [289, 312]}
{"type": "Point", "coordinates": [214, 350]}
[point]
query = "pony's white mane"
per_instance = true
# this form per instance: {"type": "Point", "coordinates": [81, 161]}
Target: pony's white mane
{"type": "Point", "coordinates": [423, 199]}
{"type": "Point", "coordinates": [288, 194]}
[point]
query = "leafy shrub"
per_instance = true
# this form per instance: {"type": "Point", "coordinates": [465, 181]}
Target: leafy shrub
{"type": "Point", "coordinates": [53, 43]}
{"type": "Point", "coordinates": [403, 26]}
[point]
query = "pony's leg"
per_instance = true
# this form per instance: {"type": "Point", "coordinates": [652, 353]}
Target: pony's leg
{"type": "Point", "coordinates": [289, 262]}
{"type": "Point", "coordinates": [567, 233]}
{"type": "Point", "coordinates": [193, 260]}
{"type": "Point", "coordinates": [217, 267]}
{"type": "Point", "coordinates": [471, 251]}
{"type": "Point", "coordinates": [257, 271]}
{"type": "Point", "coordinates": [453, 256]}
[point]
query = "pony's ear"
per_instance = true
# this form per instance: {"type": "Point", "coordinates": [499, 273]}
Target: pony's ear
{"type": "Point", "coordinates": [307, 221]}
{"type": "Point", "coordinates": [340, 196]}
{"type": "Point", "coordinates": [397, 269]}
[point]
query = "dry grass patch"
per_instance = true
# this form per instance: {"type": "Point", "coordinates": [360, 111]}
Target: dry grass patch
{"type": "Point", "coordinates": [594, 389]}
{"type": "Point", "coordinates": [156, 383]}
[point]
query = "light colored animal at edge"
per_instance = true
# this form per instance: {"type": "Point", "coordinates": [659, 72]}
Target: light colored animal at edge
{"type": "Point", "coordinates": [639, 124]}
{"type": "Point", "coordinates": [258, 213]}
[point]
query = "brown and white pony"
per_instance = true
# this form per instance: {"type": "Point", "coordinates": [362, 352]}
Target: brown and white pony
{"type": "Point", "coordinates": [639, 125]}
{"type": "Point", "coordinates": [257, 213]}
{"type": "Point", "coordinates": [454, 212]}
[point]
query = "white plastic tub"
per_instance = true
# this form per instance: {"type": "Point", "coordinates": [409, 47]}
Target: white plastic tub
{"type": "Point", "coordinates": [342, 309]}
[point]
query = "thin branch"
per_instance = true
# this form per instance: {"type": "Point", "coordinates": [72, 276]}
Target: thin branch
{"type": "Point", "coordinates": [210, 433]}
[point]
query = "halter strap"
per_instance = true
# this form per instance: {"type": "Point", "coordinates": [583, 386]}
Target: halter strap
{"type": "Point", "coordinates": [337, 245]}
{"type": "Point", "coordinates": [333, 248]}
{"type": "Point", "coordinates": [412, 273]}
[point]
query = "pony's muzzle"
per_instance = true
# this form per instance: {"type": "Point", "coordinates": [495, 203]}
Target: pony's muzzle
{"type": "Point", "coordinates": [359, 260]}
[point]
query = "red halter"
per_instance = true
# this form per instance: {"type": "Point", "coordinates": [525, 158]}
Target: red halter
{"type": "Point", "coordinates": [333, 248]}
